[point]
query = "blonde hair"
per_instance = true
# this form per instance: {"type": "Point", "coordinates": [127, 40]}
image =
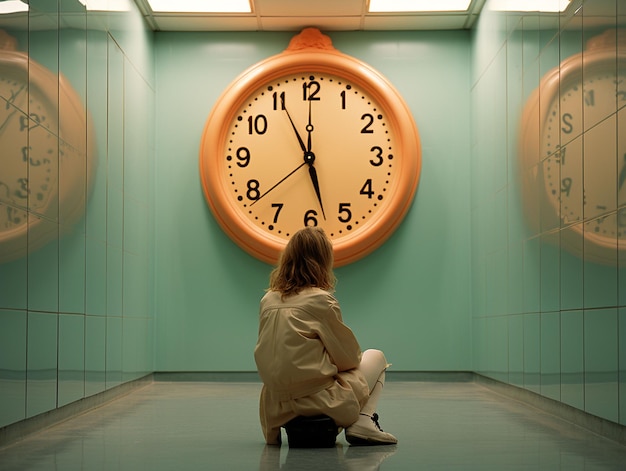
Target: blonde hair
{"type": "Point", "coordinates": [306, 262]}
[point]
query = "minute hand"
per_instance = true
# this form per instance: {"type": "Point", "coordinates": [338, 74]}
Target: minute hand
{"type": "Point", "coordinates": [309, 157]}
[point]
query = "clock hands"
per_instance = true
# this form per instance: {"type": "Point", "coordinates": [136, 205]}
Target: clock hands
{"type": "Point", "coordinates": [302, 146]}
{"type": "Point", "coordinates": [316, 186]}
{"type": "Point", "coordinates": [309, 130]}
{"type": "Point", "coordinates": [279, 182]}
{"type": "Point", "coordinates": [309, 157]}
{"type": "Point", "coordinates": [11, 101]}
{"type": "Point", "coordinates": [7, 119]}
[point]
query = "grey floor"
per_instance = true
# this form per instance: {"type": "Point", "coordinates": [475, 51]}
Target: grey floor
{"type": "Point", "coordinates": [214, 426]}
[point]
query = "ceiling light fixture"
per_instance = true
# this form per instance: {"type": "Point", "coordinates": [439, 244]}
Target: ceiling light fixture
{"type": "Point", "coordinates": [12, 6]}
{"type": "Point", "coordinates": [105, 5]}
{"type": "Point", "coordinates": [389, 6]}
{"type": "Point", "coordinates": [544, 6]}
{"type": "Point", "coordinates": [200, 6]}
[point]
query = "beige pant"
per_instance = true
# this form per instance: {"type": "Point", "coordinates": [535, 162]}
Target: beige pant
{"type": "Point", "coordinates": [373, 366]}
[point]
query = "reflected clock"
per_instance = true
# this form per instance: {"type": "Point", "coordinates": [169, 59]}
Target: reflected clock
{"type": "Point", "coordinates": [571, 142]}
{"type": "Point", "coordinates": [44, 169]}
{"type": "Point", "coordinates": [310, 136]}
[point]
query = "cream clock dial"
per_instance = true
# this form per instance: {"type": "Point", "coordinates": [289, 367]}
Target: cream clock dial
{"type": "Point", "coordinates": [310, 137]}
{"type": "Point", "coordinates": [303, 178]}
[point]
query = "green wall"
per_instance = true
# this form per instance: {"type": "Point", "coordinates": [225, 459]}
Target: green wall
{"type": "Point", "coordinates": [546, 315]}
{"type": "Point", "coordinates": [142, 279]}
{"type": "Point", "coordinates": [76, 314]}
{"type": "Point", "coordinates": [410, 298]}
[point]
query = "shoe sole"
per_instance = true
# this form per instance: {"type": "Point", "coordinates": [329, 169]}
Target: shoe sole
{"type": "Point", "coordinates": [366, 441]}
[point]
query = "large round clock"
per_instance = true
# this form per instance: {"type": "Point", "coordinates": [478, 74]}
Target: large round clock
{"type": "Point", "coordinates": [310, 136]}
{"type": "Point", "coordinates": [569, 141]}
{"type": "Point", "coordinates": [45, 173]}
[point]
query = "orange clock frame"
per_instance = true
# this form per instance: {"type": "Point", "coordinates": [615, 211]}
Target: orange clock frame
{"type": "Point", "coordinates": [310, 52]}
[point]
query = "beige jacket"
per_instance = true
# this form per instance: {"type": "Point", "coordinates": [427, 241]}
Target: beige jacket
{"type": "Point", "coordinates": [307, 358]}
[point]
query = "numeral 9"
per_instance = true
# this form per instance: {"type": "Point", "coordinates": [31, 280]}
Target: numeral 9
{"type": "Point", "coordinates": [243, 155]}
{"type": "Point", "coordinates": [566, 185]}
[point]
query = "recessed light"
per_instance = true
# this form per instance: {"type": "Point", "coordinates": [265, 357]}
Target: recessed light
{"type": "Point", "coordinates": [12, 6]}
{"type": "Point", "coordinates": [105, 5]}
{"type": "Point", "coordinates": [200, 6]}
{"type": "Point", "coordinates": [389, 6]}
{"type": "Point", "coordinates": [529, 5]}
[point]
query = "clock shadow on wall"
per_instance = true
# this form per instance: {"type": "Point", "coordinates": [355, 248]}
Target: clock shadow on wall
{"type": "Point", "coordinates": [44, 170]}
{"type": "Point", "coordinates": [310, 136]}
{"type": "Point", "coordinates": [573, 152]}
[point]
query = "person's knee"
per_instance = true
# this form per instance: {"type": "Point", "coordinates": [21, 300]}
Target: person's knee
{"type": "Point", "coordinates": [375, 357]}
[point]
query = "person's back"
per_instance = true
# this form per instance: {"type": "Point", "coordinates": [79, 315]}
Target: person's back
{"type": "Point", "coordinates": [310, 362]}
{"type": "Point", "coordinates": [303, 342]}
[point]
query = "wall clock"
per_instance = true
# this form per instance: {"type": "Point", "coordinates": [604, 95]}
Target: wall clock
{"type": "Point", "coordinates": [581, 180]}
{"type": "Point", "coordinates": [310, 136]}
{"type": "Point", "coordinates": [44, 171]}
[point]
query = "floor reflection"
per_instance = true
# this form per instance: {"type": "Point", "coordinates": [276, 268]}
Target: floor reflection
{"type": "Point", "coordinates": [215, 426]}
{"type": "Point", "coordinates": [349, 458]}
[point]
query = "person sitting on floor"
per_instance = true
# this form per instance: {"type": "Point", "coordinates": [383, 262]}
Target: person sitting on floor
{"type": "Point", "coordinates": [309, 361]}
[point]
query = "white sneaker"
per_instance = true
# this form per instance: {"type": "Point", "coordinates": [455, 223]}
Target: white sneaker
{"type": "Point", "coordinates": [367, 431]}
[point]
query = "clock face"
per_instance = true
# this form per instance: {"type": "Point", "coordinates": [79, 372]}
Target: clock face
{"type": "Point", "coordinates": [310, 149]}
{"type": "Point", "coordinates": [581, 174]}
{"type": "Point", "coordinates": [310, 137]}
{"type": "Point", "coordinates": [29, 166]}
{"type": "Point", "coordinates": [44, 178]}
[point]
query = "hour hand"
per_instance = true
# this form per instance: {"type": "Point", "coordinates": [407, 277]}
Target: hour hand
{"type": "Point", "coordinates": [10, 109]}
{"type": "Point", "coordinates": [302, 146]}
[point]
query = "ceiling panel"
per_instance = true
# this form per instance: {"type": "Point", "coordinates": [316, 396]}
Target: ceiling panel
{"type": "Point", "coordinates": [293, 15]}
{"type": "Point", "coordinates": [415, 22]}
{"type": "Point", "coordinates": [326, 23]}
{"type": "Point", "coordinates": [315, 8]}
{"type": "Point", "coordinates": [205, 23]}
